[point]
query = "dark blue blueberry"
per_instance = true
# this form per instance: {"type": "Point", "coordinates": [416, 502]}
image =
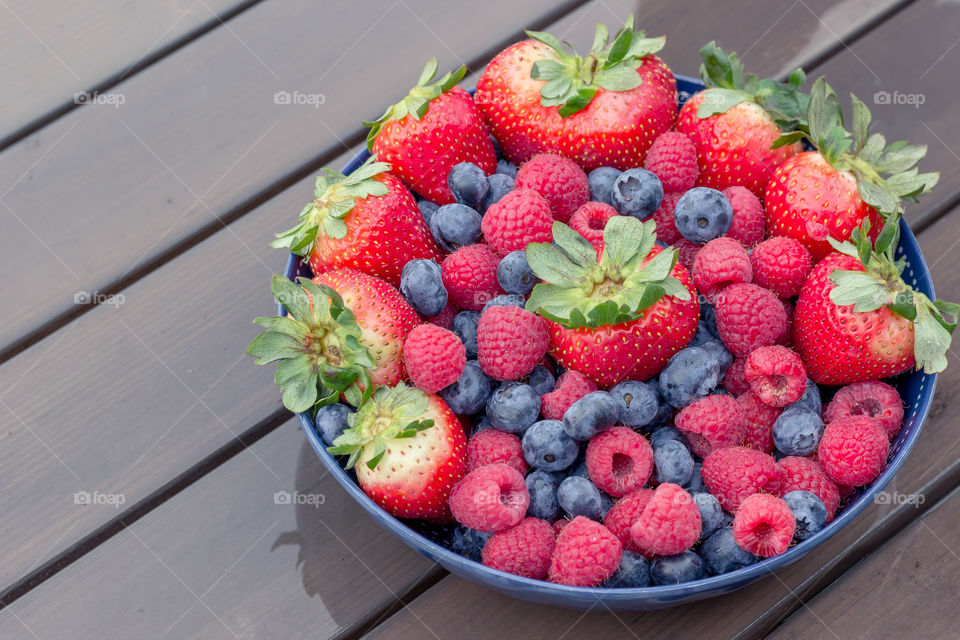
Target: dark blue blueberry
{"type": "Point", "coordinates": [481, 423]}
{"type": "Point", "coordinates": [547, 446]}
{"type": "Point", "coordinates": [664, 410]}
{"type": "Point", "coordinates": [637, 404]}
{"type": "Point", "coordinates": [496, 147]}
{"type": "Point", "coordinates": [711, 513]}
{"type": "Point", "coordinates": [506, 168]}
{"type": "Point", "coordinates": [468, 543]}
{"type": "Point", "coordinates": [456, 225]}
{"type": "Point", "coordinates": [633, 572]}
{"type": "Point", "coordinates": [499, 186]}
{"type": "Point", "coordinates": [465, 326]}
{"type": "Point", "coordinates": [809, 511]}
{"type": "Point", "coordinates": [797, 432]}
{"type": "Point", "coordinates": [579, 469]}
{"type": "Point", "coordinates": [468, 184]}
{"type": "Point", "coordinates": [470, 392]}
{"type": "Point", "coordinates": [513, 407]}
{"type": "Point", "coordinates": [722, 554]}
{"type": "Point", "coordinates": [542, 487]}
{"type": "Point", "coordinates": [422, 285]}
{"type": "Point", "coordinates": [721, 391]}
{"type": "Point", "coordinates": [701, 336]}
{"type": "Point", "coordinates": [724, 357]}
{"type": "Point", "coordinates": [637, 193]}
{"type": "Point", "coordinates": [504, 300]}
{"type": "Point", "coordinates": [578, 497]}
{"type": "Point", "coordinates": [810, 398]}
{"type": "Point", "coordinates": [673, 462]}
{"type": "Point", "coordinates": [702, 214]}
{"type": "Point", "coordinates": [601, 182]}
{"type": "Point", "coordinates": [541, 380]}
{"type": "Point", "coordinates": [591, 414]}
{"type": "Point", "coordinates": [607, 501]}
{"type": "Point", "coordinates": [515, 275]}
{"type": "Point", "coordinates": [695, 483]}
{"type": "Point", "coordinates": [708, 318]}
{"type": "Point", "coordinates": [685, 567]}
{"type": "Point", "coordinates": [689, 375]}
{"type": "Point", "coordinates": [427, 209]}
{"type": "Point", "coordinates": [331, 421]}
{"type": "Point", "coordinates": [664, 434]}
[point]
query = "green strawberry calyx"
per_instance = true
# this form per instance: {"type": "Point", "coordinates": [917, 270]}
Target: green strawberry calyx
{"type": "Point", "coordinates": [317, 346]}
{"type": "Point", "coordinates": [881, 284]}
{"type": "Point", "coordinates": [572, 80]}
{"type": "Point", "coordinates": [886, 174]}
{"type": "Point", "coordinates": [418, 100]}
{"type": "Point", "coordinates": [335, 195]}
{"type": "Point", "coordinates": [391, 413]}
{"type": "Point", "coordinates": [580, 291]}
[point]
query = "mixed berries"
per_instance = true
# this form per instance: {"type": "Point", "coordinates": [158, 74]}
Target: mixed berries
{"type": "Point", "coordinates": [607, 344]}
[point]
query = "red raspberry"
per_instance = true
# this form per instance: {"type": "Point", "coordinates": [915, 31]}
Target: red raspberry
{"type": "Point", "coordinates": [876, 399]}
{"type": "Point", "coordinates": [673, 157]}
{"type": "Point", "coordinates": [491, 498]}
{"type": "Point", "coordinates": [517, 219]}
{"type": "Point", "coordinates": [670, 523]}
{"type": "Point", "coordinates": [524, 549]}
{"type": "Point", "coordinates": [560, 181]}
{"type": "Point", "coordinates": [734, 380]}
{"type": "Point", "coordinates": [663, 216]}
{"type": "Point", "coordinates": [586, 554]}
{"type": "Point", "coordinates": [624, 512]}
{"type": "Point", "coordinates": [590, 221]}
{"type": "Point", "coordinates": [781, 265]}
{"type": "Point", "coordinates": [712, 422]}
{"type": "Point", "coordinates": [492, 446]}
{"type": "Point", "coordinates": [764, 525]}
{"type": "Point", "coordinates": [803, 474]}
{"type": "Point", "coordinates": [776, 374]}
{"type": "Point", "coordinates": [444, 318]}
{"type": "Point", "coordinates": [748, 317]}
{"type": "Point", "coordinates": [619, 461]}
{"type": "Point", "coordinates": [434, 357]}
{"type": "Point", "coordinates": [571, 386]}
{"type": "Point", "coordinates": [559, 525]}
{"type": "Point", "coordinates": [853, 450]}
{"type": "Point", "coordinates": [748, 216]}
{"type": "Point", "coordinates": [758, 422]}
{"type": "Point", "coordinates": [786, 338]}
{"type": "Point", "coordinates": [470, 276]}
{"type": "Point", "coordinates": [733, 473]}
{"type": "Point", "coordinates": [722, 261]}
{"type": "Point", "coordinates": [686, 252]}
{"type": "Point", "coordinates": [510, 342]}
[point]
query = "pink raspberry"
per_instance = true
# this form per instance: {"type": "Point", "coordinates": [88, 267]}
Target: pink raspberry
{"type": "Point", "coordinates": [853, 450]}
{"type": "Point", "coordinates": [686, 252]}
{"type": "Point", "coordinates": [663, 216]}
{"type": "Point", "coordinates": [673, 158]}
{"type": "Point", "coordinates": [559, 525]}
{"type": "Point", "coordinates": [670, 523]}
{"type": "Point", "coordinates": [722, 261]}
{"type": "Point", "coordinates": [510, 342]}
{"type": "Point", "coordinates": [734, 381]}
{"type": "Point", "coordinates": [764, 525]}
{"type": "Point", "coordinates": [780, 264]}
{"type": "Point", "coordinates": [586, 554]}
{"type": "Point", "coordinates": [733, 473]}
{"type": "Point", "coordinates": [619, 461]}
{"type": "Point", "coordinates": [590, 220]}
{"type": "Point", "coordinates": [560, 181]}
{"type": "Point", "coordinates": [524, 549]}
{"type": "Point", "coordinates": [776, 374]}
{"type": "Point", "coordinates": [517, 219]}
{"type": "Point", "coordinates": [434, 357]}
{"type": "Point", "coordinates": [804, 474]}
{"type": "Point", "coordinates": [876, 399]}
{"type": "Point", "coordinates": [624, 512]}
{"type": "Point", "coordinates": [492, 446]}
{"type": "Point", "coordinates": [445, 317]}
{"type": "Point", "coordinates": [748, 216]}
{"type": "Point", "coordinates": [748, 317]}
{"type": "Point", "coordinates": [758, 420]}
{"type": "Point", "coordinates": [713, 422]}
{"type": "Point", "coordinates": [571, 386]}
{"type": "Point", "coordinates": [786, 338]}
{"type": "Point", "coordinates": [470, 276]}
{"type": "Point", "coordinates": [491, 498]}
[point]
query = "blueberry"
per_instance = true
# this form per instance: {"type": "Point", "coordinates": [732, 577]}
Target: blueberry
{"type": "Point", "coordinates": [422, 285]}
{"type": "Point", "coordinates": [496, 147]}
{"type": "Point", "coordinates": [689, 375]}
{"type": "Point", "coordinates": [579, 469]}
{"type": "Point", "coordinates": [481, 423]}
{"type": "Point", "coordinates": [724, 357]}
{"type": "Point", "coordinates": [722, 554]}
{"type": "Point", "coordinates": [499, 185]}
{"type": "Point", "coordinates": [810, 398]}
{"type": "Point", "coordinates": [673, 462]}
{"type": "Point", "coordinates": [591, 414]}
{"type": "Point", "coordinates": [695, 483]}
{"type": "Point", "coordinates": [468, 543]}
{"type": "Point", "coordinates": [665, 434]}
{"type": "Point", "coordinates": [455, 225]}
{"type": "Point", "coordinates": [633, 572]}
{"type": "Point", "coordinates": [515, 275]}
{"type": "Point", "coordinates": [542, 487]}
{"type": "Point", "coordinates": [504, 300]}
{"type": "Point", "coordinates": [702, 214]}
{"type": "Point", "coordinates": [708, 318]}
{"type": "Point", "coordinates": [684, 567]}
{"type": "Point", "coordinates": [601, 182]}
{"type": "Point", "coordinates": [547, 446]}
{"type": "Point", "coordinates": [506, 168]}
{"type": "Point", "coordinates": [470, 392]}
{"type": "Point", "coordinates": [701, 336]}
{"type": "Point", "coordinates": [797, 432]}
{"type": "Point", "coordinates": [331, 421]}
{"type": "Point", "coordinates": [606, 502]}
{"type": "Point", "coordinates": [637, 404]}
{"type": "Point", "coordinates": [541, 380]}
{"type": "Point", "coordinates": [468, 184]}
{"type": "Point", "coordinates": [427, 209]}
{"type": "Point", "coordinates": [664, 410]}
{"type": "Point", "coordinates": [513, 407]}
{"type": "Point", "coordinates": [578, 497]}
{"type": "Point", "coordinates": [711, 513]}
{"type": "Point", "coordinates": [809, 511]}
{"type": "Point", "coordinates": [465, 326]}
{"type": "Point", "coordinates": [637, 193]}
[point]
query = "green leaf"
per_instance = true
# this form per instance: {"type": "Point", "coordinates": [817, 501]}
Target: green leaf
{"type": "Point", "coordinates": [877, 197]}
{"type": "Point", "coordinates": [553, 266]}
{"type": "Point", "coordinates": [299, 393]}
{"type": "Point", "coordinates": [788, 139]}
{"type": "Point", "coordinates": [900, 157]}
{"type": "Point", "coordinates": [547, 39]}
{"type": "Point", "coordinates": [574, 245]}
{"type": "Point", "coordinates": [600, 37]}
{"type": "Point", "coordinates": [873, 149]}
{"type": "Point", "coordinates": [379, 448]}
{"type": "Point", "coordinates": [949, 311]}
{"type": "Point", "coordinates": [904, 304]}
{"type": "Point", "coordinates": [620, 47]}
{"type": "Point", "coordinates": [720, 101]}
{"type": "Point", "coordinates": [889, 234]}
{"type": "Point", "coordinates": [623, 238]}
{"type": "Point", "coordinates": [833, 143]}
{"type": "Point", "coordinates": [621, 78]}
{"type": "Point", "coordinates": [578, 102]}
{"type": "Point", "coordinates": [429, 70]}
{"type": "Point", "coordinates": [859, 289]}
{"type": "Point", "coordinates": [824, 109]}
{"type": "Point", "coordinates": [718, 69]}
{"type": "Point", "coordinates": [292, 297]}
{"type": "Point", "coordinates": [861, 123]}
{"type": "Point", "coordinates": [547, 70]}
{"type": "Point", "coordinates": [555, 303]}
{"type": "Point", "coordinates": [930, 342]}
{"type": "Point", "coordinates": [642, 47]}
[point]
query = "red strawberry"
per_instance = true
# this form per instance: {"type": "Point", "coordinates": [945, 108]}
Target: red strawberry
{"type": "Point", "coordinates": [435, 127]}
{"type": "Point", "coordinates": [408, 450]}
{"type": "Point", "coordinates": [603, 109]}
{"type": "Point", "coordinates": [618, 318]}
{"type": "Point", "coordinates": [367, 221]}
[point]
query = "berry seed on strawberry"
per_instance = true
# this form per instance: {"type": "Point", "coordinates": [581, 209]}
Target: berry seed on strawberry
{"type": "Point", "coordinates": [519, 218]}
{"type": "Point", "coordinates": [764, 525]}
{"type": "Point", "coordinates": [491, 498]}
{"type": "Point", "coordinates": [524, 549]}
{"type": "Point", "coordinates": [749, 317]}
{"type": "Point", "coordinates": [510, 342]}
{"type": "Point", "coordinates": [853, 450]}
{"type": "Point", "coordinates": [781, 265]}
{"type": "Point", "coordinates": [559, 180]}
{"type": "Point", "coordinates": [586, 554]}
{"type": "Point", "coordinates": [434, 357]}
{"type": "Point", "coordinates": [776, 374]}
{"type": "Point", "coordinates": [673, 159]}
{"type": "Point", "coordinates": [872, 398]}
{"type": "Point", "coordinates": [619, 461]}
{"type": "Point", "coordinates": [470, 276]}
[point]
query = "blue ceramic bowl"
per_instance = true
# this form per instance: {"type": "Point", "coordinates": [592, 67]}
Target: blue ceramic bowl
{"type": "Point", "coordinates": [916, 389]}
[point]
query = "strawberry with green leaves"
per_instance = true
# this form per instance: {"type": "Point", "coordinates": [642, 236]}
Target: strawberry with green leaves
{"type": "Point", "coordinates": [408, 450]}
{"type": "Point", "coordinates": [617, 318]}
{"type": "Point", "coordinates": [435, 127]}
{"type": "Point", "coordinates": [367, 221]}
{"type": "Point", "coordinates": [856, 319]}
{"type": "Point", "coordinates": [602, 109]}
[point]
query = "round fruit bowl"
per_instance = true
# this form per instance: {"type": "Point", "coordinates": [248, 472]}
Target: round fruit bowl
{"type": "Point", "coordinates": [916, 389]}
